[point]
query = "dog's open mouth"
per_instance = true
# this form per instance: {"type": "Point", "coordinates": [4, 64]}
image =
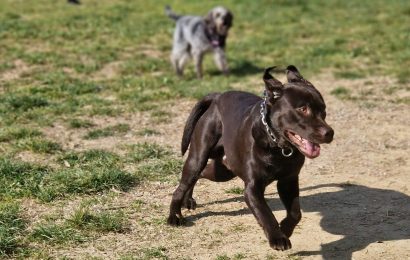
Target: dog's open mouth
{"type": "Point", "coordinates": [308, 148]}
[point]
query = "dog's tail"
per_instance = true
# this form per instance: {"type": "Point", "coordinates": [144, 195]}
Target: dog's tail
{"type": "Point", "coordinates": [196, 113]}
{"type": "Point", "coordinates": [171, 14]}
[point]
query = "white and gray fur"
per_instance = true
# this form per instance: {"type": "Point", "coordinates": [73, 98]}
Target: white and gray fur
{"type": "Point", "coordinates": [195, 35]}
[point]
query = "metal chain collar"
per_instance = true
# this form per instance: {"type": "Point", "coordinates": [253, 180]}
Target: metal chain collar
{"type": "Point", "coordinates": [263, 112]}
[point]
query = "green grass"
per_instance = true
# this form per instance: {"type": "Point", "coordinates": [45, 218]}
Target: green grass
{"type": "Point", "coordinates": [88, 172]}
{"type": "Point", "coordinates": [154, 253]}
{"type": "Point", "coordinates": [90, 159]}
{"type": "Point", "coordinates": [155, 162]}
{"type": "Point", "coordinates": [147, 132]}
{"type": "Point", "coordinates": [24, 102]}
{"type": "Point", "coordinates": [11, 229]}
{"type": "Point", "coordinates": [235, 190]}
{"type": "Point", "coordinates": [144, 151]}
{"type": "Point", "coordinates": [167, 169]}
{"type": "Point", "coordinates": [39, 145]}
{"type": "Point", "coordinates": [26, 180]}
{"type": "Point", "coordinates": [84, 224]}
{"type": "Point", "coordinates": [82, 181]}
{"type": "Point", "coordinates": [17, 133]}
{"type": "Point", "coordinates": [83, 218]}
{"type": "Point", "coordinates": [52, 233]}
{"type": "Point", "coordinates": [79, 123]}
{"type": "Point", "coordinates": [64, 68]}
{"type": "Point", "coordinates": [341, 92]}
{"type": "Point", "coordinates": [108, 131]}
{"type": "Point", "coordinates": [20, 179]}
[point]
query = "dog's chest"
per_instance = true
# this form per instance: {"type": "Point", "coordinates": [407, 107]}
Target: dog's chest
{"type": "Point", "coordinates": [279, 167]}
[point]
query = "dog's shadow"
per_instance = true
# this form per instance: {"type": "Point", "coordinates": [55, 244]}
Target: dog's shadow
{"type": "Point", "coordinates": [362, 215]}
{"type": "Point", "coordinates": [241, 68]}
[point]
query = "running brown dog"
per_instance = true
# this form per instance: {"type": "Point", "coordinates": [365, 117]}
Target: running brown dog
{"type": "Point", "coordinates": [258, 140]}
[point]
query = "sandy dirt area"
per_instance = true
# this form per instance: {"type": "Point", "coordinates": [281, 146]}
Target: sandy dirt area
{"type": "Point", "coordinates": [355, 197]}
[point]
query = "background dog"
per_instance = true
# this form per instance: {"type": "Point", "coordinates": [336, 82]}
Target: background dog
{"type": "Point", "coordinates": [259, 141]}
{"type": "Point", "coordinates": [195, 35]}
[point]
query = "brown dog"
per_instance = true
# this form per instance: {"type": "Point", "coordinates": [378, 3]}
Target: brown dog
{"type": "Point", "coordinates": [258, 140]}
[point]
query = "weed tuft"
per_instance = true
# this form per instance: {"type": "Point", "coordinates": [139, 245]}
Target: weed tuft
{"type": "Point", "coordinates": [144, 151]}
{"type": "Point", "coordinates": [78, 123]}
{"type": "Point", "coordinates": [56, 234]}
{"type": "Point", "coordinates": [11, 229]}
{"type": "Point", "coordinates": [341, 92]}
{"type": "Point", "coordinates": [235, 190]}
{"type": "Point", "coordinates": [25, 102]}
{"type": "Point", "coordinates": [154, 253]}
{"type": "Point", "coordinates": [83, 218]}
{"type": "Point", "coordinates": [17, 133]}
{"type": "Point", "coordinates": [108, 131]}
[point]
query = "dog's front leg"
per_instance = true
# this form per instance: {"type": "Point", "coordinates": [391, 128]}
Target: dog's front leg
{"type": "Point", "coordinates": [220, 60]}
{"type": "Point", "coordinates": [254, 197]}
{"type": "Point", "coordinates": [288, 190]}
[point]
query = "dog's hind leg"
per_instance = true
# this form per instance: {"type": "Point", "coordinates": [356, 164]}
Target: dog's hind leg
{"type": "Point", "coordinates": [179, 57]}
{"type": "Point", "coordinates": [198, 57]}
{"type": "Point", "coordinates": [204, 138]}
{"type": "Point", "coordinates": [216, 171]}
{"type": "Point", "coordinates": [180, 51]}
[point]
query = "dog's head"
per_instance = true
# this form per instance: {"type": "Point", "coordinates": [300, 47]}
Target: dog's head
{"type": "Point", "coordinates": [220, 19]}
{"type": "Point", "coordinates": [298, 112]}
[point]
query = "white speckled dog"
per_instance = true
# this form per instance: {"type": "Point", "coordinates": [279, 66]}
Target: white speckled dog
{"type": "Point", "coordinates": [195, 35]}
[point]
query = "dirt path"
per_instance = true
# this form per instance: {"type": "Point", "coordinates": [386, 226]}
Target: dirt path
{"type": "Point", "coordinates": [355, 198]}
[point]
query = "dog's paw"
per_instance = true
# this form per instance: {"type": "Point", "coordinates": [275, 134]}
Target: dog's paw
{"type": "Point", "coordinates": [281, 243]}
{"type": "Point", "coordinates": [189, 204]}
{"type": "Point", "coordinates": [287, 226]}
{"type": "Point", "coordinates": [175, 220]}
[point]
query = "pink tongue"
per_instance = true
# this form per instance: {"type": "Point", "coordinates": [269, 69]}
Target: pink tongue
{"type": "Point", "coordinates": [312, 149]}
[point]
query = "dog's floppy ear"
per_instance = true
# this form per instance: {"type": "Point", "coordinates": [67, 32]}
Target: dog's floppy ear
{"type": "Point", "coordinates": [274, 87]}
{"type": "Point", "coordinates": [209, 19]}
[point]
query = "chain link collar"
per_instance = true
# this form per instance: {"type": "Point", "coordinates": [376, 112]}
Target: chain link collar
{"type": "Point", "coordinates": [271, 134]}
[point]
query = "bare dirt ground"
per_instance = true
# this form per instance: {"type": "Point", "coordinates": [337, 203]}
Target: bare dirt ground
{"type": "Point", "coordinates": [355, 197]}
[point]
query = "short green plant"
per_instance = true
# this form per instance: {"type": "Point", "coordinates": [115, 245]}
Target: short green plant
{"type": "Point", "coordinates": [103, 221]}
{"type": "Point", "coordinates": [154, 253]}
{"type": "Point", "coordinates": [83, 181]}
{"type": "Point", "coordinates": [19, 179]}
{"type": "Point", "coordinates": [108, 131]}
{"type": "Point", "coordinates": [57, 234]}
{"type": "Point", "coordinates": [148, 132]}
{"type": "Point", "coordinates": [17, 133]}
{"type": "Point", "coordinates": [39, 145]}
{"type": "Point", "coordinates": [11, 229]}
{"type": "Point", "coordinates": [341, 92]}
{"type": "Point", "coordinates": [235, 190]}
{"type": "Point", "coordinates": [144, 151]}
{"type": "Point", "coordinates": [79, 123]}
{"type": "Point", "coordinates": [222, 257]}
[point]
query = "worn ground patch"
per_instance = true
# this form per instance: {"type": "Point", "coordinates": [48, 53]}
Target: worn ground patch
{"type": "Point", "coordinates": [355, 196]}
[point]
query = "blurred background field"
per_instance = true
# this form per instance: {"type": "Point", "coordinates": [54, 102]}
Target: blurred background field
{"type": "Point", "coordinates": [90, 108]}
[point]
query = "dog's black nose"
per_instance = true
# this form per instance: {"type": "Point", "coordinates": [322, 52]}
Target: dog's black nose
{"type": "Point", "coordinates": [329, 135]}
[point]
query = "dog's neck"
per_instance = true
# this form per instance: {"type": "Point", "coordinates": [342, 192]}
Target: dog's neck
{"type": "Point", "coordinates": [273, 135]}
{"type": "Point", "coordinates": [216, 40]}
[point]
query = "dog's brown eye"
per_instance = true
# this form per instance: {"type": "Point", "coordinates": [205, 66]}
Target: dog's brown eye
{"type": "Point", "coordinates": [304, 110]}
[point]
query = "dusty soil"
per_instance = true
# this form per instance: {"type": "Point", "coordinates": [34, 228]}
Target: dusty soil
{"type": "Point", "coordinates": [355, 197]}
